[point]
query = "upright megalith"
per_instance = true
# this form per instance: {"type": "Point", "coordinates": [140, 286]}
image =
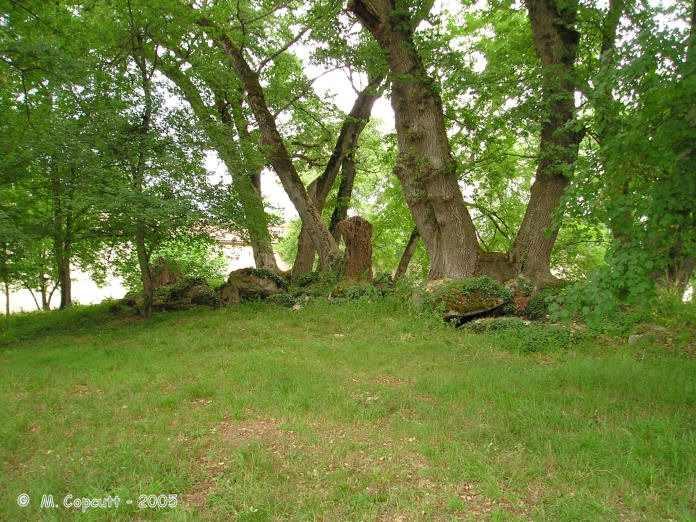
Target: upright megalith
{"type": "Point", "coordinates": [357, 235]}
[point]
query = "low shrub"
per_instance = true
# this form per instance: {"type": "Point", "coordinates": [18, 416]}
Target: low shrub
{"type": "Point", "coordinates": [496, 324]}
{"type": "Point", "coordinates": [538, 305]}
{"type": "Point", "coordinates": [287, 300]}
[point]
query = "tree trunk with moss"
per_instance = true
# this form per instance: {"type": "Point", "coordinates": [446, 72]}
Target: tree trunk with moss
{"type": "Point", "coordinates": [425, 166]}
{"type": "Point", "coordinates": [556, 44]}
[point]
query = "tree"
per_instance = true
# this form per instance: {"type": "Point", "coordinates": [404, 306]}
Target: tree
{"type": "Point", "coordinates": [222, 123]}
{"type": "Point", "coordinates": [425, 166]}
{"type": "Point", "coordinates": [47, 76]}
{"type": "Point", "coordinates": [341, 159]}
{"type": "Point", "coordinates": [556, 38]}
{"type": "Point", "coordinates": [640, 180]}
{"type": "Point", "coordinates": [273, 147]}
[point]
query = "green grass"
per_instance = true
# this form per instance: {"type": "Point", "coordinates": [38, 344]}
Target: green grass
{"type": "Point", "coordinates": [357, 411]}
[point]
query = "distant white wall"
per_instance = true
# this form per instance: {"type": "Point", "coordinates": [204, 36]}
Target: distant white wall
{"type": "Point", "coordinates": [85, 291]}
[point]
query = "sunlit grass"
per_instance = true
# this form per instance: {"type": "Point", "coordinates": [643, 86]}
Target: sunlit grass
{"type": "Point", "coordinates": [352, 411]}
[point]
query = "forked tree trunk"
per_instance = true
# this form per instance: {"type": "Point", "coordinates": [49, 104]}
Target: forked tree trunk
{"type": "Point", "coordinates": [556, 42]}
{"type": "Point", "coordinates": [46, 295]}
{"type": "Point", "coordinates": [410, 249]}
{"type": "Point", "coordinates": [319, 189]}
{"type": "Point", "coordinates": [277, 155]}
{"type": "Point", "coordinates": [424, 165]}
{"type": "Point", "coordinates": [304, 261]}
{"type": "Point", "coordinates": [223, 141]}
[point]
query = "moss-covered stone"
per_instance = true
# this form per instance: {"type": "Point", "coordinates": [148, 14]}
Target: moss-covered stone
{"type": "Point", "coordinates": [267, 274]}
{"type": "Point", "coordinates": [250, 284]}
{"type": "Point", "coordinates": [466, 297]}
{"type": "Point", "coordinates": [287, 300]}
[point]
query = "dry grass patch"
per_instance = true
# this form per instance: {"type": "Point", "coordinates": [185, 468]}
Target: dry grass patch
{"type": "Point", "coordinates": [217, 457]}
{"type": "Point", "coordinates": [390, 381]}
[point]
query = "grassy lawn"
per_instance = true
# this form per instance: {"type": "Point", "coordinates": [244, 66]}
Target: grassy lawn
{"type": "Point", "coordinates": [358, 411]}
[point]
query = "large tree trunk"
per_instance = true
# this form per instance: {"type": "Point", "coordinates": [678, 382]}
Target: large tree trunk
{"type": "Point", "coordinates": [252, 204]}
{"type": "Point", "coordinates": [556, 42]}
{"type": "Point", "coordinates": [248, 187]}
{"type": "Point", "coordinates": [410, 249]}
{"type": "Point", "coordinates": [319, 189]}
{"type": "Point", "coordinates": [277, 155]}
{"type": "Point", "coordinates": [7, 298]}
{"type": "Point", "coordinates": [424, 166]}
{"type": "Point", "coordinates": [357, 236]}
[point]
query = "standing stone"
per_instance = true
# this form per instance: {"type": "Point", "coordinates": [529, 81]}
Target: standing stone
{"type": "Point", "coordinates": [357, 235]}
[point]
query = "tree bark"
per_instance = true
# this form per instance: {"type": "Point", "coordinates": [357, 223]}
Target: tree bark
{"type": "Point", "coordinates": [62, 240]}
{"type": "Point", "coordinates": [145, 272]}
{"type": "Point", "coordinates": [252, 203]}
{"type": "Point", "coordinates": [319, 189]}
{"type": "Point", "coordinates": [345, 194]}
{"type": "Point", "coordinates": [556, 43]}
{"type": "Point", "coordinates": [65, 282]}
{"type": "Point", "coordinates": [43, 287]}
{"type": "Point", "coordinates": [5, 272]}
{"type": "Point", "coordinates": [410, 249]}
{"type": "Point", "coordinates": [277, 155]}
{"type": "Point", "coordinates": [138, 173]}
{"type": "Point", "coordinates": [424, 165]}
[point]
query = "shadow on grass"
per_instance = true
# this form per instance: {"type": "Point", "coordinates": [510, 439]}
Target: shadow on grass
{"type": "Point", "coordinates": [26, 326]}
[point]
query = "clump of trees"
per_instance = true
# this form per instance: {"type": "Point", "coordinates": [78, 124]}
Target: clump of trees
{"type": "Point", "coordinates": [536, 140]}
